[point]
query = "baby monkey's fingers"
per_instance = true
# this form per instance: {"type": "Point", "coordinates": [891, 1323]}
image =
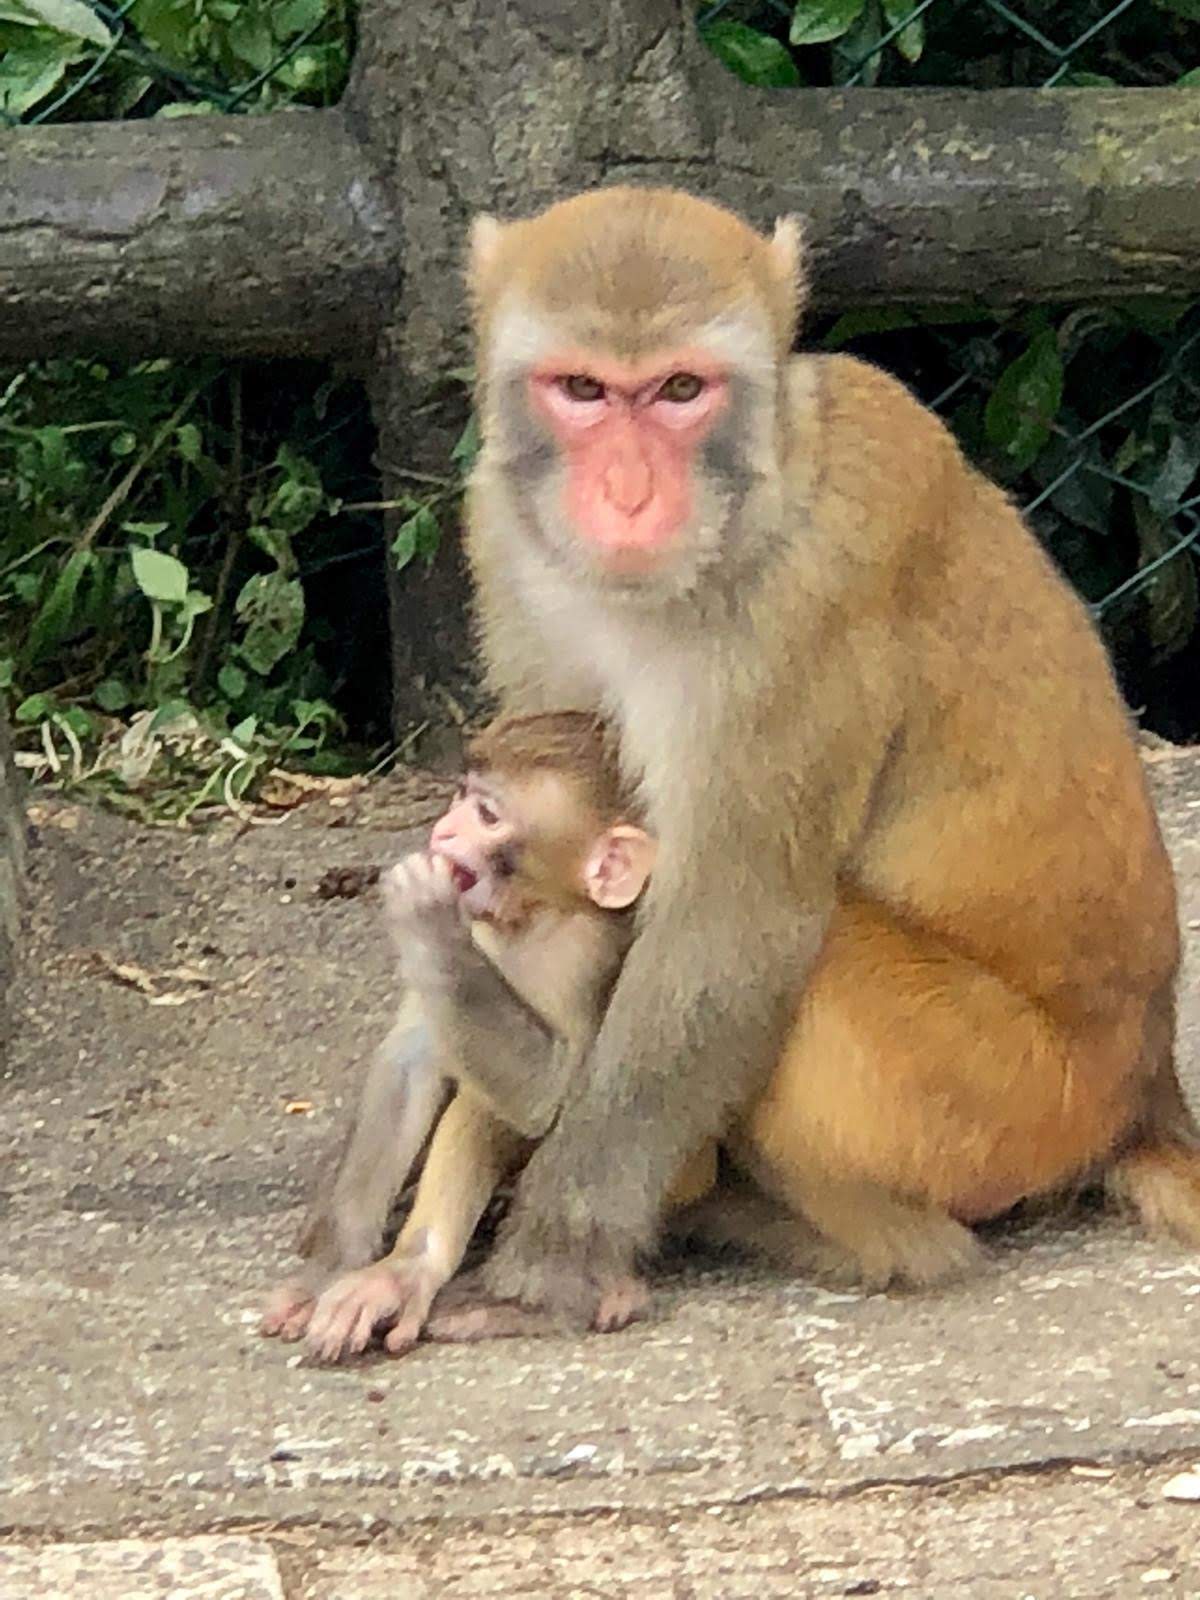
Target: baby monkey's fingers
{"type": "Point", "coordinates": [359, 1302]}
{"type": "Point", "coordinates": [419, 884]}
{"type": "Point", "coordinates": [287, 1311]}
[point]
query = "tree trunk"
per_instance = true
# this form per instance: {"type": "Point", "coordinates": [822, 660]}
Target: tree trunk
{"type": "Point", "coordinates": [12, 874]}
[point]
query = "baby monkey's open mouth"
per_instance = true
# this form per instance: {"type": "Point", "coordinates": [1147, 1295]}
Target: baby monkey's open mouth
{"type": "Point", "coordinates": [462, 877]}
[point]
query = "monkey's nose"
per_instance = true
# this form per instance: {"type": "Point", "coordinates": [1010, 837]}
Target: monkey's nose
{"type": "Point", "coordinates": [628, 482]}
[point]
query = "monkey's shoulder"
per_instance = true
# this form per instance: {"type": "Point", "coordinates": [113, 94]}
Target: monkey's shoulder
{"type": "Point", "coordinates": [878, 448]}
{"type": "Point", "coordinates": [855, 396]}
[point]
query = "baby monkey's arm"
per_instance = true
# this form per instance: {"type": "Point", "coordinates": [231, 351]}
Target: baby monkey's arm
{"type": "Point", "coordinates": [481, 1027]}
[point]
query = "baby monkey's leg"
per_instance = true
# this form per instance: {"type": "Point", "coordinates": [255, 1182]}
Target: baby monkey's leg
{"type": "Point", "coordinates": [471, 1151]}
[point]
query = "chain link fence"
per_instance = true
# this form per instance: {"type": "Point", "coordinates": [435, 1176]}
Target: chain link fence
{"type": "Point", "coordinates": [1089, 415]}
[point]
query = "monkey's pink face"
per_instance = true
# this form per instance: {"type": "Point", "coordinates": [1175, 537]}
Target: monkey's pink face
{"type": "Point", "coordinates": [629, 437]}
{"type": "Point", "coordinates": [476, 837]}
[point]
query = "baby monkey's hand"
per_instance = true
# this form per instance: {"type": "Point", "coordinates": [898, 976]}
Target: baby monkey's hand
{"type": "Point", "coordinates": [422, 908]}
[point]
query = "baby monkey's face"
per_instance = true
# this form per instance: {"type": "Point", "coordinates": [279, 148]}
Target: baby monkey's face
{"type": "Point", "coordinates": [519, 844]}
{"type": "Point", "coordinates": [481, 837]}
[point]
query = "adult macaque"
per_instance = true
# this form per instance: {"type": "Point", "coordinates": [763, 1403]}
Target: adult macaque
{"type": "Point", "coordinates": [875, 735]}
{"type": "Point", "coordinates": [511, 931]}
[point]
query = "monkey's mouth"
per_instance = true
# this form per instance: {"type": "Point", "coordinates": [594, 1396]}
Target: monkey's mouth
{"type": "Point", "coordinates": [463, 878]}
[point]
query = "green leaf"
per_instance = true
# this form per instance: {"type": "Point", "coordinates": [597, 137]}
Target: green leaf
{"type": "Point", "coordinates": [80, 721]}
{"type": "Point", "coordinates": [869, 319]}
{"type": "Point", "coordinates": [1025, 401]}
{"type": "Point", "coordinates": [755, 57]}
{"type": "Point", "coordinates": [112, 695]}
{"type": "Point", "coordinates": [419, 535]}
{"type": "Point", "coordinates": [53, 621]}
{"type": "Point", "coordinates": [856, 58]}
{"type": "Point", "coordinates": [467, 447]}
{"type": "Point", "coordinates": [1190, 80]}
{"type": "Point", "coordinates": [124, 443]}
{"type": "Point", "coordinates": [250, 36]}
{"type": "Point", "coordinates": [189, 442]}
{"type": "Point", "coordinates": [159, 576]}
{"type": "Point", "coordinates": [1086, 80]}
{"type": "Point", "coordinates": [6, 672]}
{"type": "Point", "coordinates": [188, 108]}
{"type": "Point", "coordinates": [910, 41]}
{"type": "Point", "coordinates": [290, 17]}
{"type": "Point", "coordinates": [276, 543]}
{"type": "Point", "coordinates": [1182, 8]}
{"type": "Point", "coordinates": [231, 681]}
{"type": "Point", "coordinates": [819, 21]}
{"type": "Point", "coordinates": [1171, 596]}
{"type": "Point", "coordinates": [272, 607]}
{"type": "Point", "coordinates": [1177, 471]}
{"type": "Point", "coordinates": [71, 17]}
{"type": "Point", "coordinates": [245, 731]}
{"type": "Point", "coordinates": [145, 530]}
{"type": "Point", "coordinates": [35, 708]}
{"type": "Point", "coordinates": [195, 604]}
{"type": "Point", "coordinates": [170, 711]}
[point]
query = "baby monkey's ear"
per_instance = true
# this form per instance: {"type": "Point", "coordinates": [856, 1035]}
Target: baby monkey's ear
{"type": "Point", "coordinates": [618, 866]}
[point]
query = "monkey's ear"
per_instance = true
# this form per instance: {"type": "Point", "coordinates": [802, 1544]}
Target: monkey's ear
{"type": "Point", "coordinates": [788, 262]}
{"type": "Point", "coordinates": [484, 247]}
{"type": "Point", "coordinates": [618, 866]}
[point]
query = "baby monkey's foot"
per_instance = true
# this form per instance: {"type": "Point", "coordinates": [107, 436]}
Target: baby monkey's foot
{"type": "Point", "coordinates": [288, 1310]}
{"type": "Point", "coordinates": [387, 1294]}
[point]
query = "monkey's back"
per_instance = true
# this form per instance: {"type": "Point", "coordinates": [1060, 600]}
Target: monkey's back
{"type": "Point", "coordinates": [1013, 812]}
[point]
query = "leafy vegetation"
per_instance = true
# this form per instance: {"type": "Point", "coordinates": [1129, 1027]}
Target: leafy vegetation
{"type": "Point", "coordinates": [1089, 415]}
{"type": "Point", "coordinates": [191, 559]}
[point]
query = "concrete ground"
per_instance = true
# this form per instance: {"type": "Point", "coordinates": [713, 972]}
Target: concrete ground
{"type": "Point", "coordinates": [193, 1012]}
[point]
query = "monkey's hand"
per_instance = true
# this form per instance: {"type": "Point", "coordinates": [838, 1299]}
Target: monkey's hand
{"type": "Point", "coordinates": [390, 1294]}
{"type": "Point", "coordinates": [422, 909]}
{"type": "Point", "coordinates": [558, 1251]}
{"type": "Point", "coordinates": [465, 1313]}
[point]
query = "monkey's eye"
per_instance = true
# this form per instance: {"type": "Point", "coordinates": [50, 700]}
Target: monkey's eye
{"type": "Point", "coordinates": [681, 387]}
{"type": "Point", "coordinates": [487, 816]}
{"type": "Point", "coordinates": [580, 387]}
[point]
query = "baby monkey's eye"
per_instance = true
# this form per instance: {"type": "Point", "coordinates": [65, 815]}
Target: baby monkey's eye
{"type": "Point", "coordinates": [580, 387]}
{"type": "Point", "coordinates": [487, 816]}
{"type": "Point", "coordinates": [681, 387]}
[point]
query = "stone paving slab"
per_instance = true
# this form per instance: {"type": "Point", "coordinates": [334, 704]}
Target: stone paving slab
{"type": "Point", "coordinates": [1072, 1344]}
{"type": "Point", "coordinates": [143, 1569]}
{"type": "Point", "coordinates": [1060, 1538]}
{"type": "Point", "coordinates": [151, 1172]}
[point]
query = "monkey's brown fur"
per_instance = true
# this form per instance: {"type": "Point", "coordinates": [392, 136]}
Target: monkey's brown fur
{"type": "Point", "coordinates": [888, 766]}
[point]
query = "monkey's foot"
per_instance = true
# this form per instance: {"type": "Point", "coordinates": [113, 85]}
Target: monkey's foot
{"type": "Point", "coordinates": [288, 1311]}
{"type": "Point", "coordinates": [383, 1295]}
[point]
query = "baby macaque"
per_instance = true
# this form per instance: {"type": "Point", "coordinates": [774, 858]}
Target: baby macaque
{"type": "Point", "coordinates": [511, 930]}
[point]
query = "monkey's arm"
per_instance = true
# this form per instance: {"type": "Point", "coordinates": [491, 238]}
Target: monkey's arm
{"type": "Point", "coordinates": [476, 1019]}
{"type": "Point", "coordinates": [696, 1022]}
{"type": "Point", "coordinates": [497, 1042]}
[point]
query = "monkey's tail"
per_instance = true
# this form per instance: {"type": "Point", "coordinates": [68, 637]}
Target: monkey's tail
{"type": "Point", "coordinates": [1157, 1176]}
